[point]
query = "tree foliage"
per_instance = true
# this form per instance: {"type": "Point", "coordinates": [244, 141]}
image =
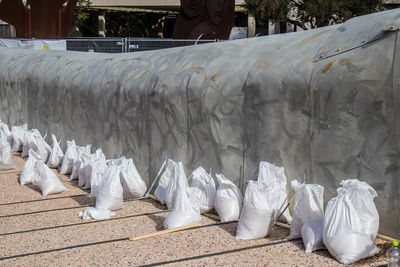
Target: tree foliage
{"type": "Point", "coordinates": [135, 24]}
{"type": "Point", "coordinates": [312, 13]}
{"type": "Point", "coordinates": [81, 12]}
{"type": "Point", "coordinates": [81, 16]}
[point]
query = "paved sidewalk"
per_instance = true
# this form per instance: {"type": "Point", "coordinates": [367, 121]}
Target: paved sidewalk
{"type": "Point", "coordinates": [46, 231]}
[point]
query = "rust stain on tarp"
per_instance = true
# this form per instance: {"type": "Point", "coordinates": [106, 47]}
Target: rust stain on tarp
{"type": "Point", "coordinates": [263, 65]}
{"type": "Point", "coordinates": [312, 37]}
{"type": "Point", "coordinates": [144, 74]}
{"type": "Point", "coordinates": [328, 66]}
{"type": "Point", "coordinates": [304, 61]}
{"type": "Point", "coordinates": [346, 62]}
{"type": "Point", "coordinates": [196, 69]}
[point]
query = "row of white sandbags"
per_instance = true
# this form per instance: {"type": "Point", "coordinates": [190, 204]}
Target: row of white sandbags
{"type": "Point", "coordinates": [110, 181]}
{"type": "Point", "coordinates": [202, 196]}
{"type": "Point", "coordinates": [36, 171]}
{"type": "Point", "coordinates": [349, 227]}
{"type": "Point", "coordinates": [6, 141]}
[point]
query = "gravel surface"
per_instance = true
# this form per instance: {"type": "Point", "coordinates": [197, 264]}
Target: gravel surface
{"type": "Point", "coordinates": [46, 231]}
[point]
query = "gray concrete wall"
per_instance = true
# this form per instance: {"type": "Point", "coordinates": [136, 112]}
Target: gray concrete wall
{"type": "Point", "coordinates": [324, 102]}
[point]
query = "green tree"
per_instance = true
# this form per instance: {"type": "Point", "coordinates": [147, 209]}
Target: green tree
{"type": "Point", "coordinates": [135, 24]}
{"type": "Point", "coordinates": [312, 13]}
{"type": "Point", "coordinates": [81, 15]}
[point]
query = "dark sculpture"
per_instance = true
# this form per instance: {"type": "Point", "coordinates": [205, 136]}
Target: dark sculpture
{"type": "Point", "coordinates": [205, 19]}
{"type": "Point", "coordinates": [39, 18]}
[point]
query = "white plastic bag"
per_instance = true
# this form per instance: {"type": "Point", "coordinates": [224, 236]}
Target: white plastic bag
{"type": "Point", "coordinates": [47, 179]}
{"type": "Point", "coordinates": [171, 193]}
{"type": "Point", "coordinates": [18, 136]}
{"type": "Point", "coordinates": [39, 145]}
{"type": "Point", "coordinates": [161, 189]}
{"type": "Point", "coordinates": [228, 200]}
{"type": "Point", "coordinates": [110, 194]}
{"type": "Point", "coordinates": [6, 133]}
{"type": "Point", "coordinates": [308, 209]}
{"type": "Point", "coordinates": [203, 187]}
{"type": "Point", "coordinates": [274, 176]}
{"type": "Point", "coordinates": [260, 208]}
{"type": "Point", "coordinates": [26, 141]}
{"type": "Point", "coordinates": [362, 197]}
{"type": "Point", "coordinates": [56, 154]}
{"type": "Point", "coordinates": [5, 155]}
{"type": "Point", "coordinates": [88, 166]}
{"type": "Point", "coordinates": [28, 172]}
{"type": "Point", "coordinates": [97, 214]}
{"type": "Point", "coordinates": [132, 183]}
{"type": "Point", "coordinates": [343, 232]}
{"type": "Point", "coordinates": [311, 233]}
{"type": "Point", "coordinates": [96, 176]}
{"type": "Point", "coordinates": [69, 158]}
{"type": "Point", "coordinates": [184, 211]}
{"type": "Point", "coordinates": [81, 151]}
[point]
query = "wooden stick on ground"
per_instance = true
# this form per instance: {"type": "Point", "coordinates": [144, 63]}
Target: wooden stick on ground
{"type": "Point", "coordinates": [165, 232]}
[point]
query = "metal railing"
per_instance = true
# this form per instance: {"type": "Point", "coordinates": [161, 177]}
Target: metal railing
{"type": "Point", "coordinates": [128, 44]}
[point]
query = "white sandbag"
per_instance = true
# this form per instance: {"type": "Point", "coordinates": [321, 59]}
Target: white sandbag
{"type": "Point", "coordinates": [26, 141]}
{"type": "Point", "coordinates": [184, 211]}
{"type": "Point", "coordinates": [308, 207]}
{"type": "Point", "coordinates": [228, 199]}
{"type": "Point", "coordinates": [75, 169]}
{"type": "Point", "coordinates": [171, 192]}
{"type": "Point", "coordinates": [47, 179]}
{"type": "Point", "coordinates": [56, 155]}
{"type": "Point", "coordinates": [362, 197]}
{"type": "Point", "coordinates": [97, 214]}
{"type": "Point", "coordinates": [311, 233]}
{"type": "Point", "coordinates": [39, 145]}
{"type": "Point", "coordinates": [343, 233]}
{"type": "Point", "coordinates": [5, 155]}
{"type": "Point", "coordinates": [132, 183]}
{"type": "Point", "coordinates": [81, 152]}
{"type": "Point", "coordinates": [69, 158]}
{"type": "Point", "coordinates": [203, 187]}
{"type": "Point", "coordinates": [88, 164]}
{"type": "Point", "coordinates": [6, 133]}
{"type": "Point", "coordinates": [110, 194]}
{"type": "Point", "coordinates": [260, 209]}
{"type": "Point", "coordinates": [120, 162]}
{"type": "Point", "coordinates": [28, 172]}
{"type": "Point", "coordinates": [161, 189]}
{"type": "Point", "coordinates": [18, 136]}
{"type": "Point", "coordinates": [83, 170]}
{"type": "Point", "coordinates": [96, 176]}
{"type": "Point", "coordinates": [272, 175]}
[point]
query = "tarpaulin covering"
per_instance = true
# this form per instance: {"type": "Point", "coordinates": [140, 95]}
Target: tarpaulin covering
{"type": "Point", "coordinates": [324, 102]}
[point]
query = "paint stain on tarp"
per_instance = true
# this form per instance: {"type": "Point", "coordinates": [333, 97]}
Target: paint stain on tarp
{"type": "Point", "coordinates": [328, 66]}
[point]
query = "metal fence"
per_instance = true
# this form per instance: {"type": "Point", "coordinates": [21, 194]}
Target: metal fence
{"type": "Point", "coordinates": [126, 45]}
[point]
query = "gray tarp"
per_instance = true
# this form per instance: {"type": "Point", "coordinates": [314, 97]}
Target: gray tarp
{"type": "Point", "coordinates": [324, 102]}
